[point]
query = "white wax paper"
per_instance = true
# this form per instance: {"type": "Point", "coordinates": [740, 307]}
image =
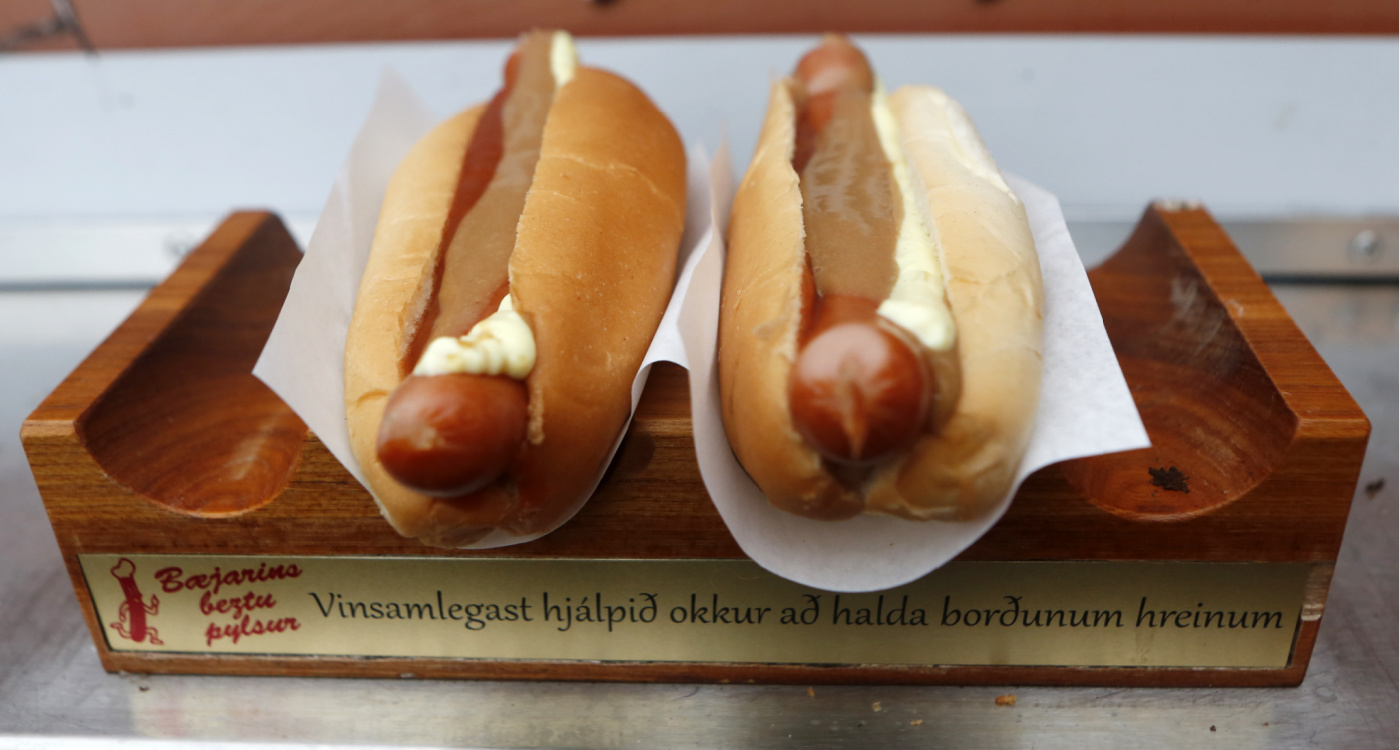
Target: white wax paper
{"type": "Point", "coordinates": [303, 360]}
{"type": "Point", "coordinates": [1085, 408]}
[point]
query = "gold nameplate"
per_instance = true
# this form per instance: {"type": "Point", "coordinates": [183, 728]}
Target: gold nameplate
{"type": "Point", "coordinates": [1150, 614]}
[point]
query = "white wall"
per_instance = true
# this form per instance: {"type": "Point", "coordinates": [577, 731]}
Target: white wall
{"type": "Point", "coordinates": [1256, 127]}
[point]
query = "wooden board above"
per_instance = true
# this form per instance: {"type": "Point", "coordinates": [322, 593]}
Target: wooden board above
{"type": "Point", "coordinates": [134, 24]}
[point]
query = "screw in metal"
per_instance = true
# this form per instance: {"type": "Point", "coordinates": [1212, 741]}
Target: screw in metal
{"type": "Point", "coordinates": [179, 243]}
{"type": "Point", "coordinates": [1365, 248]}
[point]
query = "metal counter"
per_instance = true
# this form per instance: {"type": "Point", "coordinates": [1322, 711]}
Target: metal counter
{"type": "Point", "coordinates": [53, 692]}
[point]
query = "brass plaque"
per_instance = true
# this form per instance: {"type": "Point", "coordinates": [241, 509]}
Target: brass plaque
{"type": "Point", "coordinates": [1153, 614]}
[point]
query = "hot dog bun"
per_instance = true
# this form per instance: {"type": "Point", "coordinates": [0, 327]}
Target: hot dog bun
{"type": "Point", "coordinates": [966, 464]}
{"type": "Point", "coordinates": [591, 273]}
{"type": "Point", "coordinates": [997, 299]}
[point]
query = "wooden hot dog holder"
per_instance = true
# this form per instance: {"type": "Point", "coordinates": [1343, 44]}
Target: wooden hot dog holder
{"type": "Point", "coordinates": [162, 452]}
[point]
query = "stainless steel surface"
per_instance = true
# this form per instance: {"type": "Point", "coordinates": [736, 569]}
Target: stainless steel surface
{"type": "Point", "coordinates": [131, 253]}
{"type": "Point", "coordinates": [98, 253]}
{"type": "Point", "coordinates": [41, 742]}
{"type": "Point", "coordinates": [1318, 247]}
{"type": "Point", "coordinates": [51, 685]}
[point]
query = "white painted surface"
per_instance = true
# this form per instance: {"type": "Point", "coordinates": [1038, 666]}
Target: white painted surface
{"type": "Point", "coordinates": [110, 164]}
{"type": "Point", "coordinates": [1250, 125]}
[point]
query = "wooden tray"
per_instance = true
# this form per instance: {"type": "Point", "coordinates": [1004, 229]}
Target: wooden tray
{"type": "Point", "coordinates": [162, 443]}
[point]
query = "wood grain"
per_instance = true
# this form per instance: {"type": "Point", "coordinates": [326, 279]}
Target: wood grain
{"type": "Point", "coordinates": [1232, 394]}
{"type": "Point", "coordinates": [185, 423]}
{"type": "Point", "coordinates": [127, 24]}
{"type": "Point", "coordinates": [29, 26]}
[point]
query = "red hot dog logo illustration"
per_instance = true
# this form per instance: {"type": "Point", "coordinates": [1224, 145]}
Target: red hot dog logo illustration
{"type": "Point", "coordinates": [229, 610]}
{"type": "Point", "coordinates": [131, 616]}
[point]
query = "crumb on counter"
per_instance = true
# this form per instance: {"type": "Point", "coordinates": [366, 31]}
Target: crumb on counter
{"type": "Point", "coordinates": [1006, 700]}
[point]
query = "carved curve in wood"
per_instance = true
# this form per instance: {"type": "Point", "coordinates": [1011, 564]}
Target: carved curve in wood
{"type": "Point", "coordinates": [186, 425]}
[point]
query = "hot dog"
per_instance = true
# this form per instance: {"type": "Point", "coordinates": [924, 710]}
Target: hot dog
{"type": "Point", "coordinates": [880, 326]}
{"type": "Point", "coordinates": [524, 256]}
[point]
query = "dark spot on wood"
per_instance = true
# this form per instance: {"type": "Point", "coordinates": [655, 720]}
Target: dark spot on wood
{"type": "Point", "coordinates": [1171, 479]}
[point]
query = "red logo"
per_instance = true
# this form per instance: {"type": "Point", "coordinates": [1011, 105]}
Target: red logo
{"type": "Point", "coordinates": [131, 617]}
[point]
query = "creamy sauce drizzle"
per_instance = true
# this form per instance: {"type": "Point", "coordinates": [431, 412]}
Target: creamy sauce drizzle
{"type": "Point", "coordinates": [501, 343]}
{"type": "Point", "coordinates": [918, 301]}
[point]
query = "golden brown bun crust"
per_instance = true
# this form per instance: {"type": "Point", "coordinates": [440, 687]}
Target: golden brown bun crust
{"type": "Point", "coordinates": [968, 465]}
{"type": "Point", "coordinates": [591, 272]}
{"type": "Point", "coordinates": [760, 316]}
{"type": "Point", "coordinates": [393, 293]}
{"type": "Point", "coordinates": [994, 287]}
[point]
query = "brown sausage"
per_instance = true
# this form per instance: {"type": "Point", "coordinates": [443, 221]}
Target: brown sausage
{"type": "Point", "coordinates": [834, 64]}
{"type": "Point", "coordinates": [448, 435]}
{"type": "Point", "coordinates": [497, 170]}
{"type": "Point", "coordinates": [831, 66]}
{"type": "Point", "coordinates": [478, 165]}
{"type": "Point", "coordinates": [859, 390]}
{"type": "Point", "coordinates": [451, 435]}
